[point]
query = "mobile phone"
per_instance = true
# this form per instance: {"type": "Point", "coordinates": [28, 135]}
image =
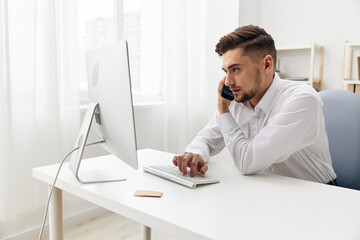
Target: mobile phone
{"type": "Point", "coordinates": [227, 93]}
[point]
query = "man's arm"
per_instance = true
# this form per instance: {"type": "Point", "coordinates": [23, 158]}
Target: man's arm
{"type": "Point", "coordinates": [294, 127]}
{"type": "Point", "coordinates": [208, 142]}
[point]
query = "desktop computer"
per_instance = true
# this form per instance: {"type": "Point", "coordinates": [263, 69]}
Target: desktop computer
{"type": "Point", "coordinates": [110, 114]}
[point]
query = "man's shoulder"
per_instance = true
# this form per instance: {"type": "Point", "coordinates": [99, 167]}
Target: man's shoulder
{"type": "Point", "coordinates": [292, 88]}
{"type": "Point", "coordinates": [294, 92]}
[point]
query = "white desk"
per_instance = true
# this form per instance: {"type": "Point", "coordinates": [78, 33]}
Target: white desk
{"type": "Point", "coordinates": [240, 207]}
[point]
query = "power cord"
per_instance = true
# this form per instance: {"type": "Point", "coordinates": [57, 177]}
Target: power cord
{"type": "Point", "coordinates": [52, 186]}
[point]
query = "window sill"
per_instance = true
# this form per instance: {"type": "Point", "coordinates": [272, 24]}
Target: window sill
{"type": "Point", "coordinates": [140, 105]}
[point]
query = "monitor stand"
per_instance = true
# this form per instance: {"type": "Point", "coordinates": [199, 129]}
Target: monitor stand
{"type": "Point", "coordinates": [93, 175]}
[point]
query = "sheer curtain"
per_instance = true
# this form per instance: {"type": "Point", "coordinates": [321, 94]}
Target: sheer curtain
{"type": "Point", "coordinates": [39, 105]}
{"type": "Point", "coordinates": [185, 71]}
{"type": "Point", "coordinates": [191, 68]}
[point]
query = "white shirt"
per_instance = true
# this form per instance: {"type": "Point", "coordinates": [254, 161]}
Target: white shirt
{"type": "Point", "coordinates": [284, 134]}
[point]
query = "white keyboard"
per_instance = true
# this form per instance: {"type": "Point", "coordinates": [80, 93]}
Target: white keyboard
{"type": "Point", "coordinates": [172, 173]}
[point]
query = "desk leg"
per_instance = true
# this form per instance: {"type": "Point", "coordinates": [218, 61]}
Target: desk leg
{"type": "Point", "coordinates": [56, 215]}
{"type": "Point", "coordinates": [145, 232]}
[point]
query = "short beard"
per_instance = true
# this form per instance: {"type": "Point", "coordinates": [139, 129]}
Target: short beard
{"type": "Point", "coordinates": [253, 92]}
{"type": "Point", "coordinates": [246, 97]}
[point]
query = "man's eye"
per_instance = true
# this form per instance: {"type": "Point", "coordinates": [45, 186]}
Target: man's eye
{"type": "Point", "coordinates": [235, 69]}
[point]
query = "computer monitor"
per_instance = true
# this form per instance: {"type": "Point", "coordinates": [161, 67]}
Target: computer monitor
{"type": "Point", "coordinates": [110, 113]}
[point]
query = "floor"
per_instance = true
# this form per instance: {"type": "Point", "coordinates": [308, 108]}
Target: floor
{"type": "Point", "coordinates": [110, 226]}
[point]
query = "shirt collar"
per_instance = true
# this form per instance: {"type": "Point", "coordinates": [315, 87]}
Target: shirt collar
{"type": "Point", "coordinates": [267, 101]}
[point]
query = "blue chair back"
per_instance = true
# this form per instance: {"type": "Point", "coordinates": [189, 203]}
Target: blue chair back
{"type": "Point", "coordinates": [342, 123]}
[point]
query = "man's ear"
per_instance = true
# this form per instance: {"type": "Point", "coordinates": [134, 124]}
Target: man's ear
{"type": "Point", "coordinates": [268, 63]}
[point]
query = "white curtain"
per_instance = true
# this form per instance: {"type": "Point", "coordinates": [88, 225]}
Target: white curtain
{"type": "Point", "coordinates": [39, 105]}
{"type": "Point", "coordinates": [185, 75]}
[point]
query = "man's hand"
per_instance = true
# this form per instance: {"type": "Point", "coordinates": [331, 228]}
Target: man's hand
{"type": "Point", "coordinates": [192, 160]}
{"type": "Point", "coordinates": [223, 103]}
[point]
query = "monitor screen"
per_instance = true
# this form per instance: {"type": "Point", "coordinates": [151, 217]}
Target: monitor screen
{"type": "Point", "coordinates": [110, 114]}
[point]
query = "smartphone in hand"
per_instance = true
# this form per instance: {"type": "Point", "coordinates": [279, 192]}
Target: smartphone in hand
{"type": "Point", "coordinates": [227, 93]}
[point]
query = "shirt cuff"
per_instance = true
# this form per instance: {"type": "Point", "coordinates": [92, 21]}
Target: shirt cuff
{"type": "Point", "coordinates": [197, 151]}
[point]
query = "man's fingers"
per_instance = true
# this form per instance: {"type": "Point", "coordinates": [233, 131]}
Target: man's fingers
{"type": "Point", "coordinates": [194, 166]}
{"type": "Point", "coordinates": [175, 160]}
{"type": "Point", "coordinates": [179, 162]}
{"type": "Point", "coordinates": [193, 161]}
{"type": "Point", "coordinates": [203, 168]}
{"type": "Point", "coordinates": [221, 84]}
{"type": "Point", "coordinates": [185, 162]}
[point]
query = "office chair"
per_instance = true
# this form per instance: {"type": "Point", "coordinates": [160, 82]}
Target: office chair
{"type": "Point", "coordinates": [342, 123]}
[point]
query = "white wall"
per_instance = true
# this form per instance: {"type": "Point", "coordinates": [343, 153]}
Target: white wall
{"type": "Point", "coordinates": [291, 23]}
{"type": "Point", "coordinates": [249, 12]}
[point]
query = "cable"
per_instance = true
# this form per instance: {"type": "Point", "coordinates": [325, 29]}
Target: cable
{"type": "Point", "coordinates": [52, 186]}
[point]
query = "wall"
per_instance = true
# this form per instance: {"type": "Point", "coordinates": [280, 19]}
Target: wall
{"type": "Point", "coordinates": [293, 23]}
{"type": "Point", "coordinates": [249, 12]}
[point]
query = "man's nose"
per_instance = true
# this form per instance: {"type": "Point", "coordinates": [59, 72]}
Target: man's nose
{"type": "Point", "coordinates": [229, 81]}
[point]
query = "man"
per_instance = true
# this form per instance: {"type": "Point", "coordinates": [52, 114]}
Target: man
{"type": "Point", "coordinates": [272, 126]}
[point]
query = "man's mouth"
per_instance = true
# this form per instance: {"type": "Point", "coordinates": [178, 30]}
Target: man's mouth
{"type": "Point", "coordinates": [235, 91]}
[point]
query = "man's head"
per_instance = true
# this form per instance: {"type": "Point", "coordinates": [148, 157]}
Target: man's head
{"type": "Point", "coordinates": [249, 57]}
{"type": "Point", "coordinates": [255, 42]}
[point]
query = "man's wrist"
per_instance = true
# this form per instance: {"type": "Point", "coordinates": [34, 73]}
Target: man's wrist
{"type": "Point", "coordinates": [223, 107]}
{"type": "Point", "coordinates": [222, 111]}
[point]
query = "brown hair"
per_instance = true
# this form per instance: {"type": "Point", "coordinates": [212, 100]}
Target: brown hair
{"type": "Point", "coordinates": [255, 42]}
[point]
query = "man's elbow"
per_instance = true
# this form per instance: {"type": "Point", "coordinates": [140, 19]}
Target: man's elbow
{"type": "Point", "coordinates": [246, 165]}
{"type": "Point", "coordinates": [247, 170]}
{"type": "Point", "coordinates": [248, 173]}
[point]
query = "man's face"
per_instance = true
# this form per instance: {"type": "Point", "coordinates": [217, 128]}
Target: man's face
{"type": "Point", "coordinates": [242, 75]}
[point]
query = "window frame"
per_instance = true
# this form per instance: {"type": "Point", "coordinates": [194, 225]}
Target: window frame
{"type": "Point", "coordinates": [138, 98]}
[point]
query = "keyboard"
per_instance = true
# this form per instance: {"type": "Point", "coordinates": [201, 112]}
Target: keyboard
{"type": "Point", "coordinates": [172, 173]}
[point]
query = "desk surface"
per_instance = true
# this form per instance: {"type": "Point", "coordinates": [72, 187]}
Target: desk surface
{"type": "Point", "coordinates": [246, 207]}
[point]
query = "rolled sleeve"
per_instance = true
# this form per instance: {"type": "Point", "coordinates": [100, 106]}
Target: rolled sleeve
{"type": "Point", "coordinates": [208, 142]}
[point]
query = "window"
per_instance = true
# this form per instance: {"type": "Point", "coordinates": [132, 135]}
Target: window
{"type": "Point", "coordinates": [132, 33]}
{"type": "Point", "coordinates": [98, 27]}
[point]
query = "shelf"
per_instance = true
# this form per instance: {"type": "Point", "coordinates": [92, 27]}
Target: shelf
{"type": "Point", "coordinates": [303, 47]}
{"type": "Point", "coordinates": [313, 49]}
{"type": "Point", "coordinates": [352, 44]}
{"type": "Point", "coordinates": [345, 82]}
{"type": "Point", "coordinates": [347, 67]}
{"type": "Point", "coordinates": [307, 47]}
{"type": "Point", "coordinates": [298, 80]}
